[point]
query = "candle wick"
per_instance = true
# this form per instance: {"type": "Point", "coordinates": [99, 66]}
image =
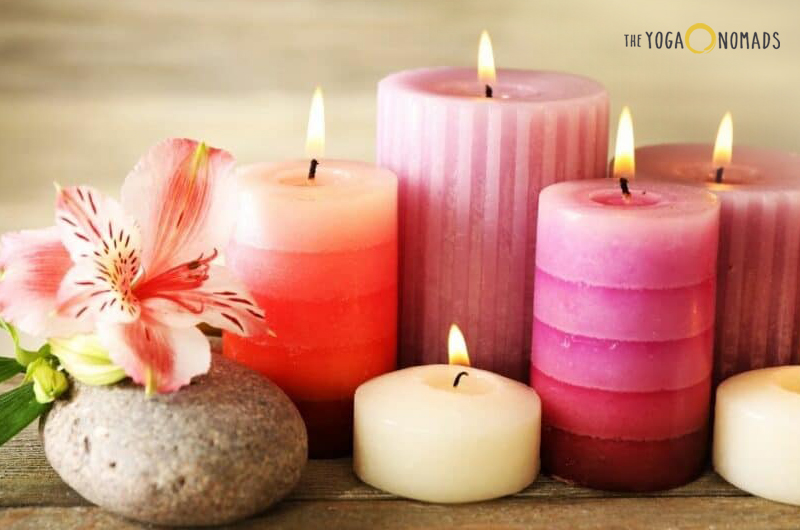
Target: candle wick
{"type": "Point", "coordinates": [623, 183]}
{"type": "Point", "coordinates": [488, 91]}
{"type": "Point", "coordinates": [312, 169]}
{"type": "Point", "coordinates": [718, 176]}
{"type": "Point", "coordinates": [458, 378]}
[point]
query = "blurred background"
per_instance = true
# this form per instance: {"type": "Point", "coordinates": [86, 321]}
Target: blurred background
{"type": "Point", "coordinates": [87, 85]}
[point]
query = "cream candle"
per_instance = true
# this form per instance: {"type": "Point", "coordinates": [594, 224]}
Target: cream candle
{"type": "Point", "coordinates": [622, 341]}
{"type": "Point", "coordinates": [446, 433]}
{"type": "Point", "coordinates": [756, 432]}
{"type": "Point", "coordinates": [316, 244]}
{"type": "Point", "coordinates": [758, 273]}
{"type": "Point", "coordinates": [470, 168]}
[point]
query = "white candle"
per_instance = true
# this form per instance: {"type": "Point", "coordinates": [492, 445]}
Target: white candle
{"type": "Point", "coordinates": [757, 433]}
{"type": "Point", "coordinates": [447, 433]}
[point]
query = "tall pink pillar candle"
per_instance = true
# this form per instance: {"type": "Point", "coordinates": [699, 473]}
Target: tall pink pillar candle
{"type": "Point", "coordinates": [470, 169]}
{"type": "Point", "coordinates": [320, 257]}
{"type": "Point", "coordinates": [758, 273]}
{"type": "Point", "coordinates": [623, 323]}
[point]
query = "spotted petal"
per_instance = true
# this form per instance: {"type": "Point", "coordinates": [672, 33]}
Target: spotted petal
{"type": "Point", "coordinates": [32, 265]}
{"type": "Point", "coordinates": [105, 245]}
{"type": "Point", "coordinates": [188, 210]}
{"type": "Point", "coordinates": [201, 292]}
{"type": "Point", "coordinates": [157, 356]}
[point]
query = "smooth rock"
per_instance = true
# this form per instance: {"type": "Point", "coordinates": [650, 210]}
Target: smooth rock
{"type": "Point", "coordinates": [227, 446]}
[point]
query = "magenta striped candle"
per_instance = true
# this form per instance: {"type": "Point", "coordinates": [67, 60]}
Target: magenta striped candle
{"type": "Point", "coordinates": [758, 289]}
{"type": "Point", "coordinates": [470, 170]}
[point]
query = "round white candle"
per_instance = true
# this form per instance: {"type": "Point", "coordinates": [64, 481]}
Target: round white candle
{"type": "Point", "coordinates": [757, 433]}
{"type": "Point", "coordinates": [419, 436]}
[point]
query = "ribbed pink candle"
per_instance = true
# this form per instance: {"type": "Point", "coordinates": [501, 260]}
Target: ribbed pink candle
{"type": "Point", "coordinates": [758, 273]}
{"type": "Point", "coordinates": [470, 170]}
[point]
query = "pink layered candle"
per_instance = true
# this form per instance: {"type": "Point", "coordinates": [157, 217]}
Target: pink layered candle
{"type": "Point", "coordinates": [623, 323]}
{"type": "Point", "coordinates": [758, 272]}
{"type": "Point", "coordinates": [471, 168]}
{"type": "Point", "coordinates": [320, 257]}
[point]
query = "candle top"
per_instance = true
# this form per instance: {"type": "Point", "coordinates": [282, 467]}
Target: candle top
{"type": "Point", "coordinates": [511, 86]}
{"type": "Point", "coordinates": [334, 180]}
{"type": "Point", "coordinates": [766, 386]}
{"type": "Point", "coordinates": [481, 398]}
{"type": "Point", "coordinates": [347, 205]}
{"type": "Point", "coordinates": [663, 236]}
{"type": "Point", "coordinates": [753, 168]}
{"type": "Point", "coordinates": [650, 200]}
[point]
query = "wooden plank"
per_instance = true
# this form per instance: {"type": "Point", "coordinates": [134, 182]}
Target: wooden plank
{"type": "Point", "coordinates": [26, 479]}
{"type": "Point", "coordinates": [556, 514]}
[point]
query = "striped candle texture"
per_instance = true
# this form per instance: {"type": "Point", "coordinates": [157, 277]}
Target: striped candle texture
{"type": "Point", "coordinates": [470, 170]}
{"type": "Point", "coordinates": [622, 342]}
{"type": "Point", "coordinates": [758, 289]}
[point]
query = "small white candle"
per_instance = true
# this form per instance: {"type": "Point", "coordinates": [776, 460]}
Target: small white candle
{"type": "Point", "coordinates": [757, 433]}
{"type": "Point", "coordinates": [447, 433]}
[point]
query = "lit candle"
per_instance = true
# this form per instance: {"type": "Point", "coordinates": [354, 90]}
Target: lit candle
{"type": "Point", "coordinates": [472, 151]}
{"type": "Point", "coordinates": [758, 273]}
{"type": "Point", "coordinates": [757, 435]}
{"type": "Point", "coordinates": [316, 244]}
{"type": "Point", "coordinates": [622, 341]}
{"type": "Point", "coordinates": [447, 433]}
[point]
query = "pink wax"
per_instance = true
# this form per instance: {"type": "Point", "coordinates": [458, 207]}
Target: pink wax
{"type": "Point", "coordinates": [320, 257]}
{"type": "Point", "coordinates": [758, 271]}
{"type": "Point", "coordinates": [622, 341]}
{"type": "Point", "coordinates": [470, 170]}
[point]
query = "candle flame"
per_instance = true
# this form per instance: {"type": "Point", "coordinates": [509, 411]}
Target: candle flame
{"type": "Point", "coordinates": [624, 164]}
{"type": "Point", "coordinates": [315, 137]}
{"type": "Point", "coordinates": [723, 147]}
{"type": "Point", "coordinates": [457, 347]}
{"type": "Point", "coordinates": [486, 71]}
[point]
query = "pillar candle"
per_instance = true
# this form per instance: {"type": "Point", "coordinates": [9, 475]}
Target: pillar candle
{"type": "Point", "coordinates": [758, 287]}
{"type": "Point", "coordinates": [446, 433]}
{"type": "Point", "coordinates": [622, 340]}
{"type": "Point", "coordinates": [756, 432]}
{"type": "Point", "coordinates": [470, 170]}
{"type": "Point", "coordinates": [320, 257]}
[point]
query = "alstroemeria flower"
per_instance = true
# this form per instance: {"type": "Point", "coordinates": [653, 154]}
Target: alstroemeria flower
{"type": "Point", "coordinates": [140, 273]}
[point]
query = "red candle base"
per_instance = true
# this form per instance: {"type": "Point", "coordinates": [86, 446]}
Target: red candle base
{"type": "Point", "coordinates": [623, 465]}
{"type": "Point", "coordinates": [330, 427]}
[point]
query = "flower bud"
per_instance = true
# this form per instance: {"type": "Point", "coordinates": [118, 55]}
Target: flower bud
{"type": "Point", "coordinates": [48, 382]}
{"type": "Point", "coordinates": [85, 359]}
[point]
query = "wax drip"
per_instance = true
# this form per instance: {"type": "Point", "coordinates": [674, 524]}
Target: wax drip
{"type": "Point", "coordinates": [458, 378]}
{"type": "Point", "coordinates": [623, 184]}
{"type": "Point", "coordinates": [718, 175]}
{"type": "Point", "coordinates": [489, 91]}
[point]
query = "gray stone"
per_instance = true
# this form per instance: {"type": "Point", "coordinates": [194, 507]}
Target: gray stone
{"type": "Point", "coordinates": [226, 447]}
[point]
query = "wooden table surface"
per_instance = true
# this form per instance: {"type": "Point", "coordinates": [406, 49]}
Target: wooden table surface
{"type": "Point", "coordinates": [33, 497]}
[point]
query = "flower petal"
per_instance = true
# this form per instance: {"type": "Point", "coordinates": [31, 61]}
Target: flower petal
{"type": "Point", "coordinates": [105, 245]}
{"type": "Point", "coordinates": [93, 225]}
{"type": "Point", "coordinates": [188, 210]}
{"type": "Point", "coordinates": [219, 300]}
{"type": "Point", "coordinates": [159, 357]}
{"type": "Point", "coordinates": [32, 265]}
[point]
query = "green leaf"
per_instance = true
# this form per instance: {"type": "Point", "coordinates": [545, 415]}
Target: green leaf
{"type": "Point", "coordinates": [24, 357]}
{"type": "Point", "coordinates": [9, 368]}
{"type": "Point", "coordinates": [18, 408]}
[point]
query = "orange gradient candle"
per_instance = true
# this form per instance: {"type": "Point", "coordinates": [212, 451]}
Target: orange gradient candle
{"type": "Point", "coordinates": [316, 244]}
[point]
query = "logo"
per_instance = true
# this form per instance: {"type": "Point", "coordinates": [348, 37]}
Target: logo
{"type": "Point", "coordinates": [710, 31]}
{"type": "Point", "coordinates": [720, 40]}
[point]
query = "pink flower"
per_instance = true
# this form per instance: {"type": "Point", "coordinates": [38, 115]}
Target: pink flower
{"type": "Point", "coordinates": [139, 274]}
